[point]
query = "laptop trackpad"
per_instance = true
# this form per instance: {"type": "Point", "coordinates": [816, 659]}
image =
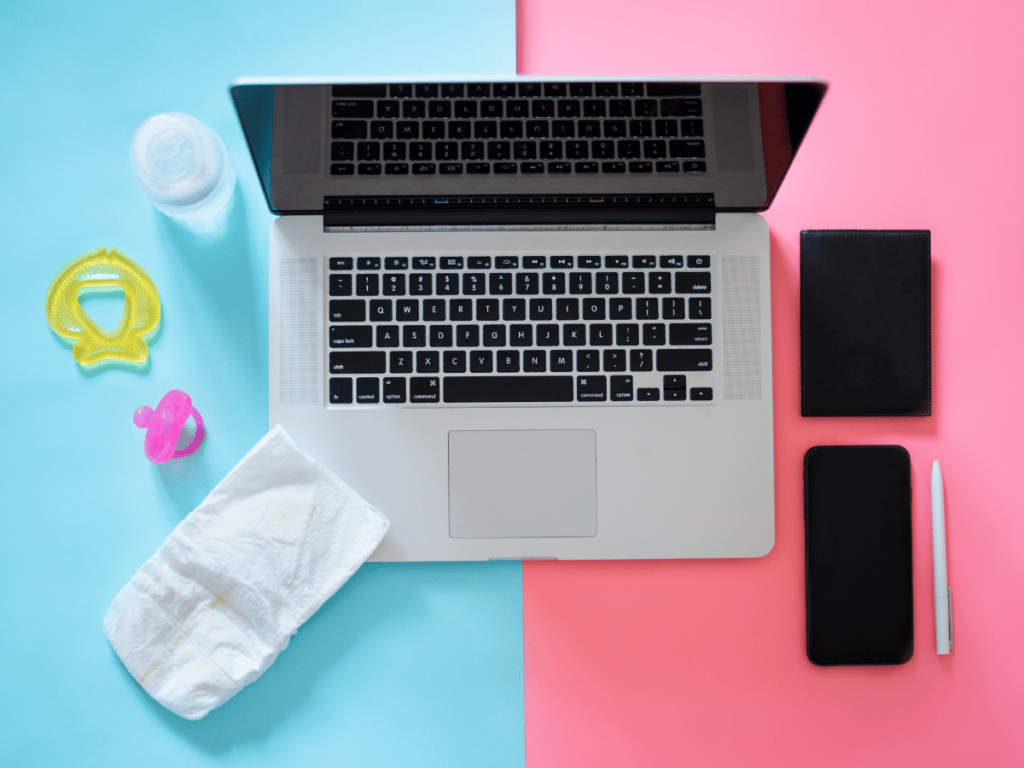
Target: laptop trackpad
{"type": "Point", "coordinates": [522, 483]}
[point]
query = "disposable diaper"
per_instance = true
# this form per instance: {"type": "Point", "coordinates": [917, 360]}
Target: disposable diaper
{"type": "Point", "coordinates": [210, 611]}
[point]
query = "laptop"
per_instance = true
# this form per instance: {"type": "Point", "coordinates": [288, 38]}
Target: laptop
{"type": "Point", "coordinates": [530, 318]}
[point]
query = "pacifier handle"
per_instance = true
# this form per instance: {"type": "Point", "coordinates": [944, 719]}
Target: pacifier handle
{"type": "Point", "coordinates": [193, 446]}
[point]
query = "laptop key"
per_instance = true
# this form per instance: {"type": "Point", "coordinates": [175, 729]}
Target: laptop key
{"type": "Point", "coordinates": [591, 388]}
{"type": "Point", "coordinates": [700, 393]}
{"type": "Point", "coordinates": [424, 389]}
{"type": "Point", "coordinates": [401, 362]}
{"type": "Point", "coordinates": [357, 362]}
{"type": "Point", "coordinates": [508, 389]}
{"type": "Point", "coordinates": [648, 394]}
{"type": "Point", "coordinates": [351, 336]}
{"type": "Point", "coordinates": [621, 388]}
{"type": "Point", "coordinates": [684, 360]}
{"type": "Point", "coordinates": [394, 389]}
{"type": "Point", "coordinates": [340, 390]}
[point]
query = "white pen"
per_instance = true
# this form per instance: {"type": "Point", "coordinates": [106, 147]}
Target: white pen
{"type": "Point", "coordinates": [943, 594]}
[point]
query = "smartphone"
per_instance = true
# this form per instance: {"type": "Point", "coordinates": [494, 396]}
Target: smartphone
{"type": "Point", "coordinates": [857, 504]}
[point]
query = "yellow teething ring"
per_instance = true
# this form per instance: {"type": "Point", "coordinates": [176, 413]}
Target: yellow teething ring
{"type": "Point", "coordinates": [103, 270]}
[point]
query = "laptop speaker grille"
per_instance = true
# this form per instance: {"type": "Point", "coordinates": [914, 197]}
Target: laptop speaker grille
{"type": "Point", "coordinates": [741, 328]}
{"type": "Point", "coordinates": [299, 331]}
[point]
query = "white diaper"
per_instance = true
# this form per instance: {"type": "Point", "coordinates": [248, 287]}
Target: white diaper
{"type": "Point", "coordinates": [210, 611]}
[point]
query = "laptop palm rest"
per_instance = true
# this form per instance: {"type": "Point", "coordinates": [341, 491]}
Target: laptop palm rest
{"type": "Point", "coordinates": [522, 483]}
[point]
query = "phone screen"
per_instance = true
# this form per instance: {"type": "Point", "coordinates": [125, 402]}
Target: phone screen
{"type": "Point", "coordinates": [857, 514]}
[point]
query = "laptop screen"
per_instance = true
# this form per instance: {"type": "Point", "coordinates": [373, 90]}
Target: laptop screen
{"type": "Point", "coordinates": [529, 152]}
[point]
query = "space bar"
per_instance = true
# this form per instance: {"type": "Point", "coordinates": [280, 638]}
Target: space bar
{"type": "Point", "coordinates": [507, 389]}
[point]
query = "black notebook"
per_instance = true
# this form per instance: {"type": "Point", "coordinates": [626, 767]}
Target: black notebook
{"type": "Point", "coordinates": [865, 323]}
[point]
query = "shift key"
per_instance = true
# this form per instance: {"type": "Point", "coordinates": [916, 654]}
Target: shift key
{"type": "Point", "coordinates": [357, 362]}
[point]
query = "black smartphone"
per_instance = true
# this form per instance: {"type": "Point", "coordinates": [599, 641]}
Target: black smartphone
{"type": "Point", "coordinates": [857, 517]}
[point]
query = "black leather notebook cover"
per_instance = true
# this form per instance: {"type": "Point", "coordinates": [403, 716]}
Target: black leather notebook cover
{"type": "Point", "coordinates": [865, 323]}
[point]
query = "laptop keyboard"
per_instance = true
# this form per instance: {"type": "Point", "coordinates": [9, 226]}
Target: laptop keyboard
{"type": "Point", "coordinates": [516, 128]}
{"type": "Point", "coordinates": [520, 329]}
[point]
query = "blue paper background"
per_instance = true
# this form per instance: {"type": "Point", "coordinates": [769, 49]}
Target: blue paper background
{"type": "Point", "coordinates": [406, 665]}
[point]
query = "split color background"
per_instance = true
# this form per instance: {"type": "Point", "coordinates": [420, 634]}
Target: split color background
{"type": "Point", "coordinates": [551, 664]}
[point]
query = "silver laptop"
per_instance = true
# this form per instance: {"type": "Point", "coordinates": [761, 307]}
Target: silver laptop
{"type": "Point", "coordinates": [530, 319]}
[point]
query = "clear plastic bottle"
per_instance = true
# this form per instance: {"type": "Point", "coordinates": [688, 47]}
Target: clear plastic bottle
{"type": "Point", "coordinates": [185, 170]}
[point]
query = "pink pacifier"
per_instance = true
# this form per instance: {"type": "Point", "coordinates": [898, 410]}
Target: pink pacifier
{"type": "Point", "coordinates": [163, 426]}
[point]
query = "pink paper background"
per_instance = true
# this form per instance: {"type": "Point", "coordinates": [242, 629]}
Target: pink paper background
{"type": "Point", "coordinates": [703, 663]}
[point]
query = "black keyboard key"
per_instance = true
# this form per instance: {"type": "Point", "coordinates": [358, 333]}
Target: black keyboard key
{"type": "Point", "coordinates": [700, 308]}
{"type": "Point", "coordinates": [400, 362]}
{"type": "Point", "coordinates": [654, 149]}
{"type": "Point", "coordinates": [451, 168]}
{"type": "Point", "coordinates": [561, 361]}
{"type": "Point", "coordinates": [387, 336]}
{"type": "Point", "coordinates": [485, 129]}
{"type": "Point", "coordinates": [367, 285]}
{"type": "Point", "coordinates": [447, 150]}
{"type": "Point", "coordinates": [588, 361]}
{"type": "Point", "coordinates": [447, 284]}
{"type": "Point", "coordinates": [397, 169]}
{"type": "Point", "coordinates": [600, 334]}
{"type": "Point", "coordinates": [494, 335]}
{"type": "Point", "coordinates": [433, 131]}
{"type": "Point", "coordinates": [594, 109]}
{"type": "Point", "coordinates": [529, 89]}
{"type": "Point", "coordinates": [644, 262]}
{"type": "Point", "coordinates": [347, 310]}
{"type": "Point", "coordinates": [621, 389]}
{"type": "Point", "coordinates": [491, 110]}
{"type": "Point", "coordinates": [380, 310]}
{"type": "Point", "coordinates": [351, 336]}
{"type": "Point", "coordinates": [691, 127]}
{"type": "Point", "coordinates": [479, 168]}
{"type": "Point", "coordinates": [700, 393]}
{"type": "Point", "coordinates": [451, 262]}
{"type": "Point", "coordinates": [420, 285]}
{"type": "Point", "coordinates": [359, 90]}
{"type": "Point", "coordinates": [620, 108]}
{"type": "Point", "coordinates": [614, 360]}
{"type": "Point", "coordinates": [343, 150]}
{"type": "Point", "coordinates": [693, 282]}
{"type": "Point", "coordinates": [357, 362]}
{"type": "Point", "coordinates": [480, 361]}
{"type": "Point", "coordinates": [555, 90]}
{"type": "Point", "coordinates": [607, 89]}
{"type": "Point", "coordinates": [645, 108]}
{"type": "Point", "coordinates": [426, 90]}
{"type": "Point", "coordinates": [368, 390]}
{"type": "Point", "coordinates": [620, 309]}
{"type": "Point", "coordinates": [507, 361]}
{"type": "Point", "coordinates": [603, 149]}
{"type": "Point", "coordinates": [407, 310]}
{"type": "Point", "coordinates": [646, 309]}
{"type": "Point", "coordinates": [340, 391]}
{"type": "Point", "coordinates": [520, 335]}
{"type": "Point", "coordinates": [414, 110]}
{"type": "Point", "coordinates": [387, 109]}
{"type": "Point", "coordinates": [414, 336]}
{"type": "Point", "coordinates": [394, 389]}
{"type": "Point", "coordinates": [590, 167]}
{"type": "Point", "coordinates": [614, 129]}
{"type": "Point", "coordinates": [689, 334]}
{"type": "Point", "coordinates": [428, 362]}
{"type": "Point", "coordinates": [680, 108]}
{"type": "Point", "coordinates": [534, 262]}
{"type": "Point", "coordinates": [424, 389]}
{"type": "Point", "coordinates": [433, 309]}
{"type": "Point", "coordinates": [543, 108]}
{"type": "Point", "coordinates": [441, 336]}
{"type": "Point", "coordinates": [540, 309]}
{"type": "Point", "coordinates": [423, 169]}
{"type": "Point", "coordinates": [551, 150]}
{"type": "Point", "coordinates": [547, 335]}
{"type": "Point", "coordinates": [629, 148]}
{"type": "Point", "coordinates": [640, 166]}
{"type": "Point", "coordinates": [684, 359]}
{"type": "Point", "coordinates": [660, 282]}
{"type": "Point", "coordinates": [381, 130]}
{"type": "Point", "coordinates": [627, 334]}
{"type": "Point", "coordinates": [666, 129]}
{"type": "Point", "coordinates": [527, 284]}
{"type": "Point", "coordinates": [465, 110]}
{"type": "Point", "coordinates": [671, 262]}
{"type": "Point", "coordinates": [686, 148]}
{"type": "Point", "coordinates": [591, 388]}
{"type": "Point", "coordinates": [453, 362]}
{"type": "Point", "coordinates": [348, 129]}
{"type": "Point", "coordinates": [480, 91]}
{"type": "Point", "coordinates": [500, 283]}
{"type": "Point", "coordinates": [340, 285]}
{"type": "Point", "coordinates": [574, 335]}
{"type": "Point", "coordinates": [513, 309]}
{"type": "Point", "coordinates": [641, 360]}
{"type": "Point", "coordinates": [576, 150]}
{"type": "Point", "coordinates": [526, 150]}
{"type": "Point", "coordinates": [567, 108]}
{"type": "Point", "coordinates": [505, 167]}
{"type": "Point", "coordinates": [590, 262]}
{"type": "Point", "coordinates": [567, 309]}
{"type": "Point", "coordinates": [461, 310]}
{"type": "Point", "coordinates": [673, 308]}
{"type": "Point", "coordinates": [520, 109]}
{"type": "Point", "coordinates": [342, 169]}
{"type": "Point", "coordinates": [407, 130]}
{"type": "Point", "coordinates": [654, 334]}
{"type": "Point", "coordinates": [394, 284]}
{"type": "Point", "coordinates": [473, 284]}
{"type": "Point", "coordinates": [648, 394]}
{"type": "Point", "coordinates": [439, 110]}
{"type": "Point", "coordinates": [508, 389]}
{"type": "Point", "coordinates": [559, 167]}
{"type": "Point", "coordinates": [668, 166]}
{"type": "Point", "coordinates": [580, 282]}
{"type": "Point", "coordinates": [535, 361]}
{"type": "Point", "coordinates": [467, 336]}
{"type": "Point", "coordinates": [640, 129]}
{"type": "Point", "coordinates": [698, 262]}
{"type": "Point", "coordinates": [673, 89]}
{"type": "Point", "coordinates": [562, 129]}
{"type": "Point", "coordinates": [561, 262]}
{"type": "Point", "coordinates": [536, 129]}
{"type": "Point", "coordinates": [613, 167]}
{"type": "Point", "coordinates": [510, 129]}
{"type": "Point", "coordinates": [452, 90]}
{"type": "Point", "coordinates": [593, 309]}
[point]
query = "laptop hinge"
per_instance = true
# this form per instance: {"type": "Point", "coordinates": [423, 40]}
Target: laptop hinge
{"type": "Point", "coordinates": [690, 211]}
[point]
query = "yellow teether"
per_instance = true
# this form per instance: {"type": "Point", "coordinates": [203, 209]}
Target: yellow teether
{"type": "Point", "coordinates": [104, 270]}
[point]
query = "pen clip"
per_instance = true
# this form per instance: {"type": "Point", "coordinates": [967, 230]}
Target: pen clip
{"type": "Point", "coordinates": [949, 614]}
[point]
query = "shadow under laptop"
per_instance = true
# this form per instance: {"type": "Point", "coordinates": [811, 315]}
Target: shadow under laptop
{"type": "Point", "coordinates": [382, 625]}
